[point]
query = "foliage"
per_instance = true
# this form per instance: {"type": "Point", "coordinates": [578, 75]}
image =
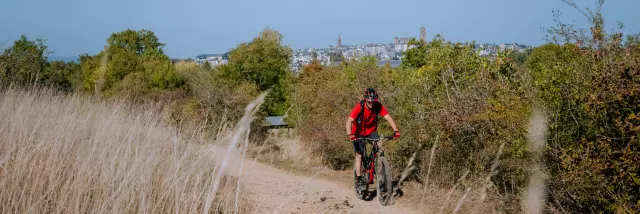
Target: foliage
{"type": "Point", "coordinates": [416, 55]}
{"type": "Point", "coordinates": [24, 62]}
{"type": "Point", "coordinates": [62, 75]}
{"type": "Point", "coordinates": [264, 62]}
{"type": "Point", "coordinates": [590, 86]}
{"type": "Point", "coordinates": [320, 106]}
{"type": "Point", "coordinates": [520, 58]}
{"type": "Point", "coordinates": [133, 64]}
{"type": "Point", "coordinates": [206, 65]}
{"type": "Point", "coordinates": [141, 43]}
{"type": "Point", "coordinates": [212, 99]}
{"type": "Point", "coordinates": [592, 100]}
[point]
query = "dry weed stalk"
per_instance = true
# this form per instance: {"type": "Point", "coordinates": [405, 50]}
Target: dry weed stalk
{"type": "Point", "coordinates": [244, 155]}
{"type": "Point", "coordinates": [461, 201]}
{"type": "Point", "coordinates": [494, 167]}
{"type": "Point", "coordinates": [460, 181]}
{"type": "Point", "coordinates": [101, 72]}
{"type": "Point", "coordinates": [410, 167]}
{"type": "Point", "coordinates": [243, 125]}
{"type": "Point", "coordinates": [426, 182]}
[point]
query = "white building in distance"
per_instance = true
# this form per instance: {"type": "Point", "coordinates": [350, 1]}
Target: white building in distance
{"type": "Point", "coordinates": [401, 44]}
{"type": "Point", "coordinates": [212, 59]}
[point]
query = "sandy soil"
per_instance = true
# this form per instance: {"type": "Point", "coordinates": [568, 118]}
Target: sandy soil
{"type": "Point", "coordinates": [273, 190]}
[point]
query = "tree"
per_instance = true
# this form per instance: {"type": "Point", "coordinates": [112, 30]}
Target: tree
{"type": "Point", "coordinates": [265, 62]}
{"type": "Point", "coordinates": [335, 56]}
{"type": "Point", "coordinates": [311, 69]}
{"type": "Point", "coordinates": [24, 62]}
{"type": "Point", "coordinates": [142, 42]}
{"type": "Point", "coordinates": [520, 58]}
{"type": "Point", "coordinates": [62, 75]}
{"type": "Point", "coordinates": [133, 61]}
{"type": "Point", "coordinates": [416, 56]}
{"type": "Point", "coordinates": [206, 65]}
{"type": "Point", "coordinates": [587, 83]}
{"type": "Point", "coordinates": [262, 61]}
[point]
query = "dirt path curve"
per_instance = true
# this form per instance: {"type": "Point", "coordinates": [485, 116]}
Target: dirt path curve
{"type": "Point", "coordinates": [277, 191]}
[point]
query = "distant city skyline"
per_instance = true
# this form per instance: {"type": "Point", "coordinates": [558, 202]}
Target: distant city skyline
{"type": "Point", "coordinates": [189, 28]}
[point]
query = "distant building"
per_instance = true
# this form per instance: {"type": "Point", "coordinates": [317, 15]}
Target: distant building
{"type": "Point", "coordinates": [339, 44]}
{"type": "Point", "coordinates": [213, 59]}
{"type": "Point", "coordinates": [484, 52]}
{"type": "Point", "coordinates": [401, 44]}
{"type": "Point", "coordinates": [502, 47]}
{"type": "Point", "coordinates": [423, 34]}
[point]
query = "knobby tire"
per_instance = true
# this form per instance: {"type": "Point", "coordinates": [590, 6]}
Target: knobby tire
{"type": "Point", "coordinates": [383, 180]}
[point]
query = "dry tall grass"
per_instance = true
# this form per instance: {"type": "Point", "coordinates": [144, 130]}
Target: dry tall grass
{"type": "Point", "coordinates": [71, 154]}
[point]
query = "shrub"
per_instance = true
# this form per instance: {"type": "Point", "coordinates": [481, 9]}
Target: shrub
{"type": "Point", "coordinates": [24, 62]}
{"type": "Point", "coordinates": [593, 98]}
{"type": "Point", "coordinates": [590, 87]}
{"type": "Point", "coordinates": [264, 62]}
{"type": "Point", "coordinates": [211, 99]}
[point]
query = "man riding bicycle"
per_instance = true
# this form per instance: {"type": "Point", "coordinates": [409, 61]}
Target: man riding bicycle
{"type": "Point", "coordinates": [363, 123]}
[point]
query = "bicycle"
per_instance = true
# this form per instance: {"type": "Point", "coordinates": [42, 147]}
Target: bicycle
{"type": "Point", "coordinates": [374, 165]}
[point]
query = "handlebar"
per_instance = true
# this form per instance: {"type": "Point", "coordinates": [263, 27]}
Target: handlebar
{"type": "Point", "coordinates": [375, 139]}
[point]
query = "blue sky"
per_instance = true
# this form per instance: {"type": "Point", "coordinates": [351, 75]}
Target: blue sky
{"type": "Point", "coordinates": [191, 27]}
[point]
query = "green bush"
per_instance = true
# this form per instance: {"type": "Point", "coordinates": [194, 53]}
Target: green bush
{"type": "Point", "coordinates": [321, 106]}
{"type": "Point", "coordinates": [63, 76]}
{"type": "Point", "coordinates": [592, 95]}
{"type": "Point", "coordinates": [133, 65]}
{"type": "Point", "coordinates": [590, 86]}
{"type": "Point", "coordinates": [24, 62]}
{"type": "Point", "coordinates": [264, 62]}
{"type": "Point", "coordinates": [211, 99]}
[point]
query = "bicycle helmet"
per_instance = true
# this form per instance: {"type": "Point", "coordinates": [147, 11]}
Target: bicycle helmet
{"type": "Point", "coordinates": [371, 95]}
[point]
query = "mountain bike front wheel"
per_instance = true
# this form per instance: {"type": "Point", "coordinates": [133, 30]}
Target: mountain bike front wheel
{"type": "Point", "coordinates": [383, 181]}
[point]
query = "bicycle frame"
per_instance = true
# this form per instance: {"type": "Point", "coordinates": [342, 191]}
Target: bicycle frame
{"type": "Point", "coordinates": [369, 160]}
{"type": "Point", "coordinates": [371, 169]}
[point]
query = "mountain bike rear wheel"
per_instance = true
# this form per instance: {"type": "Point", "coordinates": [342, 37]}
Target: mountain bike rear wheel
{"type": "Point", "coordinates": [383, 181]}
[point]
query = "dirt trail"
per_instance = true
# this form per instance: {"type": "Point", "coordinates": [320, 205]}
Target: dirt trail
{"type": "Point", "coordinates": [277, 191]}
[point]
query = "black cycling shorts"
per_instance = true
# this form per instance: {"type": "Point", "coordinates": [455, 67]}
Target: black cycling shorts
{"type": "Point", "coordinates": [358, 145]}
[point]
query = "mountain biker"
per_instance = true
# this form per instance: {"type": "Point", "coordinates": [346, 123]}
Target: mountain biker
{"type": "Point", "coordinates": [363, 123]}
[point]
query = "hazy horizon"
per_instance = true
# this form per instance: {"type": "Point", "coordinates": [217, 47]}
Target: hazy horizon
{"type": "Point", "coordinates": [189, 28]}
